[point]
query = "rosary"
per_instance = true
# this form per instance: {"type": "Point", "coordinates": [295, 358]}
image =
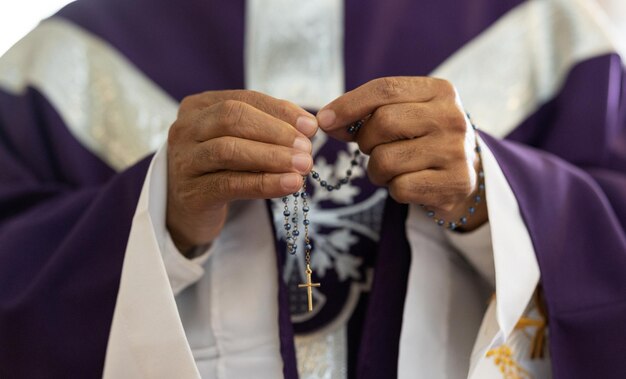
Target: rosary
{"type": "Point", "coordinates": [291, 221]}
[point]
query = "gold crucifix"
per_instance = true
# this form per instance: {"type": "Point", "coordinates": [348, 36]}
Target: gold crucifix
{"type": "Point", "coordinates": [309, 285]}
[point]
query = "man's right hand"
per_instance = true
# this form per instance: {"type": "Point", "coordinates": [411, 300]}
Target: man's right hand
{"type": "Point", "coordinates": [230, 145]}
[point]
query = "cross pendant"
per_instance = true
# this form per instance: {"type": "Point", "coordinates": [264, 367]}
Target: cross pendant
{"type": "Point", "coordinates": [309, 285]}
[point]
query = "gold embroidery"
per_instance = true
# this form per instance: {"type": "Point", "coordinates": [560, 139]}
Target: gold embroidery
{"type": "Point", "coordinates": [503, 355]}
{"type": "Point", "coordinates": [503, 359]}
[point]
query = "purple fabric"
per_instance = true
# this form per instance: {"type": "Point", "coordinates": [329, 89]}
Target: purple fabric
{"type": "Point", "coordinates": [64, 223]}
{"type": "Point", "coordinates": [378, 355]}
{"type": "Point", "coordinates": [57, 291]}
{"type": "Point", "coordinates": [287, 348]}
{"type": "Point", "coordinates": [573, 200]}
{"type": "Point", "coordinates": [198, 46]}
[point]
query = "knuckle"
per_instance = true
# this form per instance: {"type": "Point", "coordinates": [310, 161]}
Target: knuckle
{"type": "Point", "coordinates": [175, 133]}
{"type": "Point", "coordinates": [187, 103]}
{"type": "Point", "coordinates": [247, 96]}
{"type": "Point", "coordinates": [224, 151]}
{"type": "Point", "coordinates": [374, 173]}
{"type": "Point", "coordinates": [381, 161]}
{"type": "Point", "coordinates": [260, 183]}
{"type": "Point", "coordinates": [456, 120]}
{"type": "Point", "coordinates": [399, 194]}
{"type": "Point", "coordinates": [385, 117]}
{"type": "Point", "coordinates": [400, 189]}
{"type": "Point", "coordinates": [455, 151]}
{"type": "Point", "coordinates": [283, 109]}
{"type": "Point", "coordinates": [389, 88]}
{"type": "Point", "coordinates": [445, 88]}
{"type": "Point", "coordinates": [231, 112]}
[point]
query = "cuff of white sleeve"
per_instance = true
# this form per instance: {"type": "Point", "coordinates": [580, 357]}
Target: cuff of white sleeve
{"type": "Point", "coordinates": [476, 247]}
{"type": "Point", "coordinates": [182, 271]}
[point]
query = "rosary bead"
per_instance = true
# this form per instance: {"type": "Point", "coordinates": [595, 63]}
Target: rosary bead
{"type": "Point", "coordinates": [306, 221]}
{"type": "Point", "coordinates": [296, 233]}
{"type": "Point", "coordinates": [323, 183]}
{"type": "Point", "coordinates": [315, 175]}
{"type": "Point", "coordinates": [296, 194]}
{"type": "Point", "coordinates": [286, 213]}
{"type": "Point", "coordinates": [305, 195]}
{"type": "Point", "coordinates": [285, 199]}
{"type": "Point", "coordinates": [308, 247]}
{"type": "Point", "coordinates": [294, 220]}
{"type": "Point", "coordinates": [305, 209]}
{"type": "Point", "coordinates": [329, 188]}
{"type": "Point", "coordinates": [289, 241]}
{"type": "Point", "coordinates": [338, 186]}
{"type": "Point", "coordinates": [349, 172]}
{"type": "Point", "coordinates": [453, 225]}
{"type": "Point", "coordinates": [287, 226]}
{"type": "Point", "coordinates": [354, 162]}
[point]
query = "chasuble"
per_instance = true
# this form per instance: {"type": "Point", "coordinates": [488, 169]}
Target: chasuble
{"type": "Point", "coordinates": [91, 284]}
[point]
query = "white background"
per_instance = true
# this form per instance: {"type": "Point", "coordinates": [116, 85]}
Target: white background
{"type": "Point", "coordinates": [18, 17]}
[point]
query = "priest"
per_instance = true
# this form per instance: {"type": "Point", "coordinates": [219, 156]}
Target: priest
{"type": "Point", "coordinates": [153, 156]}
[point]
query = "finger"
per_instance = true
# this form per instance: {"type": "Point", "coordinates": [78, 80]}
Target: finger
{"type": "Point", "coordinates": [392, 159]}
{"type": "Point", "coordinates": [396, 122]}
{"type": "Point", "coordinates": [226, 186]}
{"type": "Point", "coordinates": [239, 119]}
{"type": "Point", "coordinates": [441, 189]}
{"type": "Point", "coordinates": [362, 101]}
{"type": "Point", "coordinates": [283, 110]}
{"type": "Point", "coordinates": [237, 154]}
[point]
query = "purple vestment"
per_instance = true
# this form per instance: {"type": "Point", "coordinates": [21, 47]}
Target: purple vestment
{"type": "Point", "coordinates": [65, 215]}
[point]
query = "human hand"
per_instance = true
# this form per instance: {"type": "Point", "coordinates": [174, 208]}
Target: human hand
{"type": "Point", "coordinates": [230, 145]}
{"type": "Point", "coordinates": [421, 144]}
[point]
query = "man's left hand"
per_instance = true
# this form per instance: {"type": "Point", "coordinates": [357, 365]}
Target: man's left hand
{"type": "Point", "coordinates": [420, 142]}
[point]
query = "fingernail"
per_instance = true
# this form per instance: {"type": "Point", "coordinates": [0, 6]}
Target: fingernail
{"type": "Point", "coordinates": [302, 144]}
{"type": "Point", "coordinates": [301, 162]}
{"type": "Point", "coordinates": [290, 182]}
{"type": "Point", "coordinates": [326, 118]}
{"type": "Point", "coordinates": [306, 125]}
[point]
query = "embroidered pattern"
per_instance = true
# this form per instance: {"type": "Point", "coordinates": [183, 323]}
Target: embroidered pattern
{"type": "Point", "coordinates": [503, 359]}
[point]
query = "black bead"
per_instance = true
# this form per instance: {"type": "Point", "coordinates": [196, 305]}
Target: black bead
{"type": "Point", "coordinates": [323, 183]}
{"type": "Point", "coordinates": [315, 175]}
